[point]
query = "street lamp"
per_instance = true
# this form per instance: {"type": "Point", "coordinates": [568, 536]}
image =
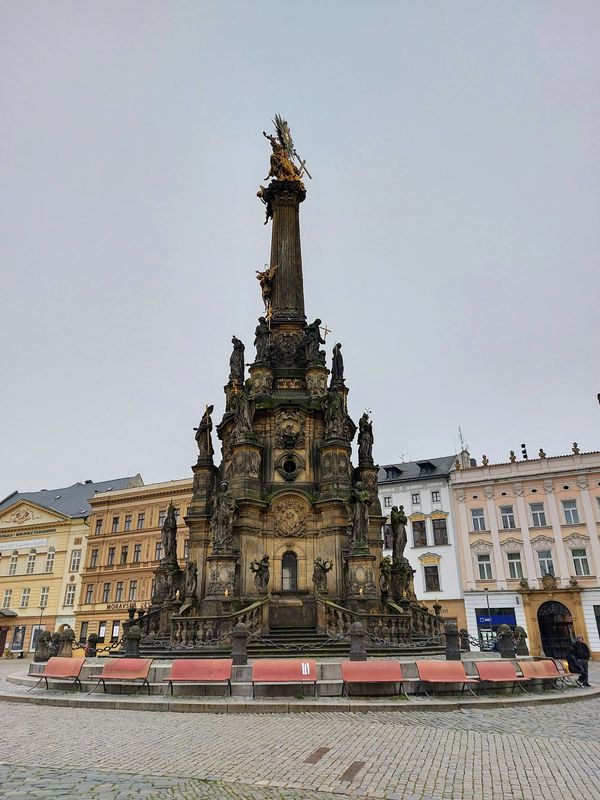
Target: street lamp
{"type": "Point", "coordinates": [487, 599]}
{"type": "Point", "coordinates": [42, 609]}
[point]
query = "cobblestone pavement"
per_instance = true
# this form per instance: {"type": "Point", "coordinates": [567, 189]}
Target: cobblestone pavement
{"type": "Point", "coordinates": [520, 753]}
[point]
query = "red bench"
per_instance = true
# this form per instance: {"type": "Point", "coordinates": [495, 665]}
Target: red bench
{"type": "Point", "coordinates": [545, 671]}
{"type": "Point", "coordinates": [200, 672]}
{"type": "Point", "coordinates": [373, 672]}
{"type": "Point", "coordinates": [284, 671]}
{"type": "Point", "coordinates": [124, 670]}
{"type": "Point", "coordinates": [567, 677]}
{"type": "Point", "coordinates": [62, 669]}
{"type": "Point", "coordinates": [500, 673]}
{"type": "Point", "coordinates": [434, 673]}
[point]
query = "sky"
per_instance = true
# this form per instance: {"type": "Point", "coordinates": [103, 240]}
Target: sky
{"type": "Point", "coordinates": [450, 233]}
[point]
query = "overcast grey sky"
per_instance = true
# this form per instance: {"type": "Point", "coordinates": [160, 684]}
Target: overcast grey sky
{"type": "Point", "coordinates": [450, 235]}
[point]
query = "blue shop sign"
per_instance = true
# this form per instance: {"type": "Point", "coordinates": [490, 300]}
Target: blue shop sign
{"type": "Point", "coordinates": [506, 618]}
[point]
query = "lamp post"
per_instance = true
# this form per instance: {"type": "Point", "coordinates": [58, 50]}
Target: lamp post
{"type": "Point", "coordinates": [487, 599]}
{"type": "Point", "coordinates": [42, 609]}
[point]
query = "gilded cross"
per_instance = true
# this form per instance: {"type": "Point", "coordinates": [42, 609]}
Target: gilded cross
{"type": "Point", "coordinates": [325, 330]}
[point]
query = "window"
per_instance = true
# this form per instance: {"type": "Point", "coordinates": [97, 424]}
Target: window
{"type": "Point", "coordinates": [119, 592]}
{"type": "Point", "coordinates": [515, 568]}
{"type": "Point", "coordinates": [137, 553]}
{"type": "Point", "coordinates": [508, 517]}
{"type": "Point", "coordinates": [44, 592]}
{"type": "Point", "coordinates": [186, 549]}
{"type": "Point", "coordinates": [75, 560]}
{"type": "Point", "coordinates": [106, 593]}
{"type": "Point", "coordinates": [484, 562]}
{"type": "Point", "coordinates": [162, 515]}
{"type": "Point", "coordinates": [98, 527]}
{"type": "Point", "coordinates": [158, 551]}
{"type": "Point", "coordinates": [49, 566]}
{"type": "Point", "coordinates": [538, 515]}
{"type": "Point", "coordinates": [12, 564]}
{"type": "Point", "coordinates": [133, 590]}
{"type": "Point", "coordinates": [432, 579]}
{"type": "Point", "coordinates": [111, 557]}
{"type": "Point", "coordinates": [70, 595]}
{"type": "Point", "coordinates": [435, 497]}
{"type": "Point", "coordinates": [116, 627]}
{"type": "Point", "coordinates": [24, 598]}
{"type": "Point", "coordinates": [30, 562]}
{"type": "Point", "coordinates": [6, 598]}
{"type": "Point", "coordinates": [102, 630]}
{"type": "Point", "coordinates": [83, 632]}
{"type": "Point", "coordinates": [289, 571]}
{"type": "Point", "coordinates": [94, 558]}
{"type": "Point", "coordinates": [416, 498]}
{"type": "Point", "coordinates": [140, 521]}
{"type": "Point", "coordinates": [387, 501]}
{"type": "Point", "coordinates": [115, 524]}
{"type": "Point", "coordinates": [127, 526]}
{"type": "Point", "coordinates": [440, 531]}
{"type": "Point", "coordinates": [419, 533]}
{"type": "Point", "coordinates": [478, 518]}
{"type": "Point", "coordinates": [124, 554]}
{"type": "Point", "coordinates": [571, 513]}
{"type": "Point", "coordinates": [580, 561]}
{"type": "Point", "coordinates": [176, 513]}
{"type": "Point", "coordinates": [546, 564]}
{"type": "Point", "coordinates": [89, 593]}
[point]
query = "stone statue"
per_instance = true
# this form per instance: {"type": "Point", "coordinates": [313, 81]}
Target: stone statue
{"type": "Point", "coordinates": [319, 577]}
{"type": "Point", "coordinates": [221, 523]}
{"type": "Point", "coordinates": [190, 581]}
{"type": "Point", "coordinates": [575, 448]}
{"type": "Point", "coordinates": [365, 440]}
{"type": "Point", "coordinates": [360, 500]}
{"type": "Point", "coordinates": [261, 573]}
{"type": "Point", "coordinates": [312, 340]}
{"type": "Point", "coordinates": [203, 437]}
{"type": "Point", "coordinates": [399, 537]}
{"type": "Point", "coordinates": [169, 535]}
{"type": "Point", "coordinates": [236, 362]}
{"type": "Point", "coordinates": [385, 575]}
{"type": "Point", "coordinates": [337, 366]}
{"type": "Point", "coordinates": [335, 415]}
{"type": "Point", "coordinates": [265, 278]}
{"type": "Point", "coordinates": [243, 414]}
{"type": "Point", "coordinates": [261, 340]}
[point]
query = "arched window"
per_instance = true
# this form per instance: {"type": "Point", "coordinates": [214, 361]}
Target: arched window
{"type": "Point", "coordinates": [49, 560]}
{"type": "Point", "coordinates": [289, 572]}
{"type": "Point", "coordinates": [30, 562]}
{"type": "Point", "coordinates": [12, 566]}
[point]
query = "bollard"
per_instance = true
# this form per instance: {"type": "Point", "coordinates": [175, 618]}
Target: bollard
{"type": "Point", "coordinates": [506, 646]}
{"type": "Point", "coordinates": [465, 644]}
{"type": "Point", "coordinates": [132, 641]}
{"type": "Point", "coordinates": [452, 642]}
{"type": "Point", "coordinates": [66, 639]}
{"type": "Point", "coordinates": [92, 641]}
{"type": "Point", "coordinates": [358, 651]}
{"type": "Point", "coordinates": [239, 647]}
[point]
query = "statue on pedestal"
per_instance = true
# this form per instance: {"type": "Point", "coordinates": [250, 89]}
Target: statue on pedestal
{"type": "Point", "coordinates": [190, 583]}
{"type": "Point", "coordinates": [261, 573]}
{"type": "Point", "coordinates": [365, 440]}
{"type": "Point", "coordinates": [221, 523]}
{"type": "Point", "coordinates": [203, 435]}
{"type": "Point", "coordinates": [261, 341]}
{"type": "Point", "coordinates": [385, 575]}
{"type": "Point", "coordinates": [265, 279]}
{"type": "Point", "coordinates": [319, 577]}
{"type": "Point", "coordinates": [236, 362]}
{"type": "Point", "coordinates": [337, 366]}
{"type": "Point", "coordinates": [335, 415]}
{"type": "Point", "coordinates": [243, 414]}
{"type": "Point", "coordinates": [282, 168]}
{"type": "Point", "coordinates": [360, 500]}
{"type": "Point", "coordinates": [169, 535]}
{"type": "Point", "coordinates": [312, 340]}
{"type": "Point", "coordinates": [399, 538]}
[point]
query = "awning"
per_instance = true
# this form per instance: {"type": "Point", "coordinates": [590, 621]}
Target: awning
{"type": "Point", "coordinates": [7, 612]}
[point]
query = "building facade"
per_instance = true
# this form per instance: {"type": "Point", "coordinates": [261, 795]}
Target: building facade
{"type": "Point", "coordinates": [423, 488]}
{"type": "Point", "coordinates": [124, 549]}
{"type": "Point", "coordinates": [43, 537]}
{"type": "Point", "coordinates": [529, 548]}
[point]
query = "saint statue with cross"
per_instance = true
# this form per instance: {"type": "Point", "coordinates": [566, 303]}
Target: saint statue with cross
{"type": "Point", "coordinates": [203, 437]}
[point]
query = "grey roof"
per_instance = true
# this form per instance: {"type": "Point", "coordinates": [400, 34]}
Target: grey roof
{"type": "Point", "coordinates": [72, 501]}
{"type": "Point", "coordinates": [423, 469]}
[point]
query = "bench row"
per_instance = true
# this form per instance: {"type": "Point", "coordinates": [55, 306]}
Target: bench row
{"type": "Point", "coordinates": [431, 674]}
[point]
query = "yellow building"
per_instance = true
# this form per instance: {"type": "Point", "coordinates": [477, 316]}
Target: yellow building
{"type": "Point", "coordinates": [530, 550]}
{"type": "Point", "coordinates": [43, 538]}
{"type": "Point", "coordinates": [123, 551]}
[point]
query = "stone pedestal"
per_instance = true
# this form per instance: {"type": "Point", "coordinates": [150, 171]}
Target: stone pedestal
{"type": "Point", "coordinates": [222, 583]}
{"type": "Point", "coordinates": [367, 473]}
{"type": "Point", "coordinates": [262, 379]}
{"type": "Point", "coordinates": [335, 469]}
{"type": "Point", "coordinates": [360, 578]}
{"type": "Point", "coordinates": [243, 472]}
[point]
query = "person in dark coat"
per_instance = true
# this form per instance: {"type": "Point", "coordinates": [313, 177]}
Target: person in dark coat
{"type": "Point", "coordinates": [577, 659]}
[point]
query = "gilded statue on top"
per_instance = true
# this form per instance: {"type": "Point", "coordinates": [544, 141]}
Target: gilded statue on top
{"type": "Point", "coordinates": [282, 166]}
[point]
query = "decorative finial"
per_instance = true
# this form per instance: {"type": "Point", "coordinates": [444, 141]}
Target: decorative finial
{"type": "Point", "coordinates": [512, 457]}
{"type": "Point", "coordinates": [485, 460]}
{"type": "Point", "coordinates": [575, 448]}
{"type": "Point", "coordinates": [541, 453]}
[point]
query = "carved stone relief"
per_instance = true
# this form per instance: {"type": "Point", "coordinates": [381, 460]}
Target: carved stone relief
{"type": "Point", "coordinates": [284, 346]}
{"type": "Point", "coordinates": [290, 429]}
{"type": "Point", "coordinates": [480, 546]}
{"type": "Point", "coordinates": [542, 543]}
{"type": "Point", "coordinates": [290, 517]}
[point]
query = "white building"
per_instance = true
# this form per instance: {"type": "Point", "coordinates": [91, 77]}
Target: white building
{"type": "Point", "coordinates": [423, 488]}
